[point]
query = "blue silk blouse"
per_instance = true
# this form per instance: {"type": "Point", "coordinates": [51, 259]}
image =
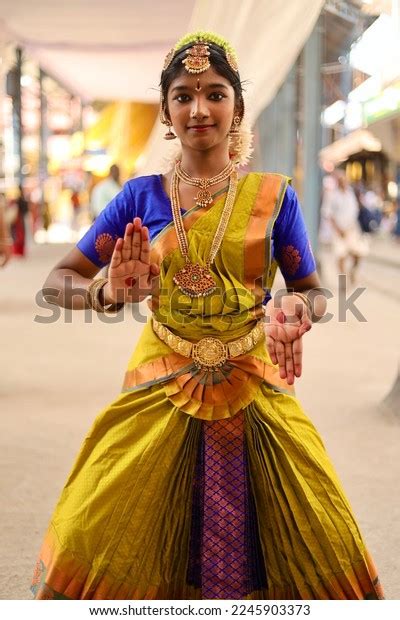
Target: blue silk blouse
{"type": "Point", "coordinates": [146, 198]}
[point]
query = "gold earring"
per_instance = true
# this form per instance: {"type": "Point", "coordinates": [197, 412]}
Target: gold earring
{"type": "Point", "coordinates": [235, 140]}
{"type": "Point", "coordinates": [234, 130]}
{"type": "Point", "coordinates": [165, 121]}
{"type": "Point", "coordinates": [170, 134]}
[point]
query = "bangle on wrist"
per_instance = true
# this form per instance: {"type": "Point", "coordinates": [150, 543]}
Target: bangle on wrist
{"type": "Point", "coordinates": [95, 297]}
{"type": "Point", "coordinates": [307, 302]}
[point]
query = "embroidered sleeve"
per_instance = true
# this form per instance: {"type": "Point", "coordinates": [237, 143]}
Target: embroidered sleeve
{"type": "Point", "coordinates": [99, 241]}
{"type": "Point", "coordinates": [291, 245]}
{"type": "Point", "coordinates": [290, 259]}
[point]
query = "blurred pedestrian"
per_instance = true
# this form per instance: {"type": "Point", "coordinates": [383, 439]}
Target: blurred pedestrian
{"type": "Point", "coordinates": [46, 216]}
{"type": "Point", "coordinates": [341, 207]}
{"type": "Point", "coordinates": [18, 228]}
{"type": "Point", "coordinates": [76, 209]}
{"type": "Point", "coordinates": [370, 214]}
{"type": "Point", "coordinates": [105, 191]}
{"type": "Point", "coordinates": [6, 242]}
{"type": "Point", "coordinates": [325, 226]}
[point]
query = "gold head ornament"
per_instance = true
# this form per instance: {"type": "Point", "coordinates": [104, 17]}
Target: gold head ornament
{"type": "Point", "coordinates": [197, 59]}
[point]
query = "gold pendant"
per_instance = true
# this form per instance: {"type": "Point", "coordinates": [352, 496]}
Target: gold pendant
{"type": "Point", "coordinates": [203, 198]}
{"type": "Point", "coordinates": [194, 280]}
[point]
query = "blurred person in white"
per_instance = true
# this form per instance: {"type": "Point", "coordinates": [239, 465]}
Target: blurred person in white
{"type": "Point", "coordinates": [325, 226]}
{"type": "Point", "coordinates": [340, 206]}
{"type": "Point", "coordinates": [105, 191]}
{"type": "Point", "coordinates": [6, 242]}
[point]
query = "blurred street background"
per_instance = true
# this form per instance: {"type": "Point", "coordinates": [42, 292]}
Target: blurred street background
{"type": "Point", "coordinates": [79, 106]}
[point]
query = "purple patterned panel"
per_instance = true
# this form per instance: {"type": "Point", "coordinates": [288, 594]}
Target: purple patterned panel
{"type": "Point", "coordinates": [225, 497]}
{"type": "Point", "coordinates": [196, 533]}
{"type": "Point", "coordinates": [256, 573]}
{"type": "Point", "coordinates": [225, 558]}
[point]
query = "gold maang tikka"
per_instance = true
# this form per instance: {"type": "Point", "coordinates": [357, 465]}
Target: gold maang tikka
{"type": "Point", "coordinates": [197, 59]}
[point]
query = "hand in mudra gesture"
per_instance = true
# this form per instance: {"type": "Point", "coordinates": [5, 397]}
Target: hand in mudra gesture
{"type": "Point", "coordinates": [286, 323]}
{"type": "Point", "coordinates": [131, 275]}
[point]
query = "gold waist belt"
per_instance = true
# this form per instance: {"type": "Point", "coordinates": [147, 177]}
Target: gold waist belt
{"type": "Point", "coordinates": [209, 352]}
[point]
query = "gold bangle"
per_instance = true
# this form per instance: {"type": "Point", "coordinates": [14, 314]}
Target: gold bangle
{"type": "Point", "coordinates": [307, 302]}
{"type": "Point", "coordinates": [92, 294]}
{"type": "Point", "coordinates": [93, 301]}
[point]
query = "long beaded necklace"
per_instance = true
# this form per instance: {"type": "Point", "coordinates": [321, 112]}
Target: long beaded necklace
{"type": "Point", "coordinates": [203, 198]}
{"type": "Point", "coordinates": [193, 279]}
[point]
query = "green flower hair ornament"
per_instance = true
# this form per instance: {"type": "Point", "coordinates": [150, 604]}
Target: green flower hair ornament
{"type": "Point", "coordinates": [206, 37]}
{"type": "Point", "coordinates": [203, 37]}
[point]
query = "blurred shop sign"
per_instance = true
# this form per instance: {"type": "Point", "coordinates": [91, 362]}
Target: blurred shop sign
{"type": "Point", "coordinates": [354, 142]}
{"type": "Point", "coordinates": [386, 104]}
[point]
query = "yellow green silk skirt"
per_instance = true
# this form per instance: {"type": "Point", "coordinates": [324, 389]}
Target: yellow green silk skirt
{"type": "Point", "coordinates": [162, 505]}
{"type": "Point", "coordinates": [200, 484]}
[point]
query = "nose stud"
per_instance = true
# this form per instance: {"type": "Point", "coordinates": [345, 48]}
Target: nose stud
{"type": "Point", "coordinates": [197, 116]}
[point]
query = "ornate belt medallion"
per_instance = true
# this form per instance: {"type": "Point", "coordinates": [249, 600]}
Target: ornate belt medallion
{"type": "Point", "coordinates": [209, 353]}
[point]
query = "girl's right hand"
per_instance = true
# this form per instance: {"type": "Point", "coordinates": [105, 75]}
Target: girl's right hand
{"type": "Point", "coordinates": [130, 275]}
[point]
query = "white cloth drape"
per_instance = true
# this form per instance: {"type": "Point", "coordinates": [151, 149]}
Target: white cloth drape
{"type": "Point", "coordinates": [99, 49]}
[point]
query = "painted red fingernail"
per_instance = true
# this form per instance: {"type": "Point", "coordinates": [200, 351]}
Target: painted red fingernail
{"type": "Point", "coordinates": [130, 281]}
{"type": "Point", "coordinates": [280, 317]}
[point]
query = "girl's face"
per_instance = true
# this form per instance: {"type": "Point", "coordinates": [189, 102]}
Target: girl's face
{"type": "Point", "coordinates": [201, 108]}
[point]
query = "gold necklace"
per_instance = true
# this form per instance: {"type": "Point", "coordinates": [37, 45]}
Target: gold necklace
{"type": "Point", "coordinates": [203, 198]}
{"type": "Point", "coordinates": [193, 279]}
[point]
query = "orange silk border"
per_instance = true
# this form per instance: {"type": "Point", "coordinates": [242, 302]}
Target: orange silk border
{"type": "Point", "coordinates": [256, 258]}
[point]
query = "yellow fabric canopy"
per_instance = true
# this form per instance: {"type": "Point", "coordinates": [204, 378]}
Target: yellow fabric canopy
{"type": "Point", "coordinates": [122, 129]}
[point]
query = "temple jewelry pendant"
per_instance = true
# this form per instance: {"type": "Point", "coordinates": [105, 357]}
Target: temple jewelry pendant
{"type": "Point", "coordinates": [203, 198]}
{"type": "Point", "coordinates": [195, 280]}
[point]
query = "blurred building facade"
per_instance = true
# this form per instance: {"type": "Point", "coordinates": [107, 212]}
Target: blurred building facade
{"type": "Point", "coordinates": [339, 106]}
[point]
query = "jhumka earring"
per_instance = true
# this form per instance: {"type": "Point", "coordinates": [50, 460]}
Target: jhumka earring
{"type": "Point", "coordinates": [170, 134]}
{"type": "Point", "coordinates": [165, 121]}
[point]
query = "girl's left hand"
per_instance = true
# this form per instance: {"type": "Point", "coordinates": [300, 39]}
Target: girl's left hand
{"type": "Point", "coordinates": [286, 321]}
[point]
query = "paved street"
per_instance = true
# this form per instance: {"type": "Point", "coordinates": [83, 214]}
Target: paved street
{"type": "Point", "coordinates": [56, 377]}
